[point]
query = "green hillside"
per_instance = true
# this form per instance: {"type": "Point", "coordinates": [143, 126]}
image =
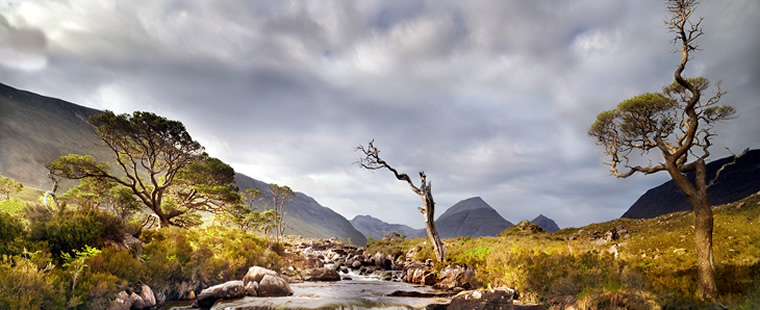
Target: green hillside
{"type": "Point", "coordinates": [654, 268]}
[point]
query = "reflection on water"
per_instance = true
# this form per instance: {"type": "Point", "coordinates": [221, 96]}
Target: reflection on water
{"type": "Point", "coordinates": [360, 293]}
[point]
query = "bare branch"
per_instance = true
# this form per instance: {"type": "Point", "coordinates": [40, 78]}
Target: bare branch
{"type": "Point", "coordinates": [717, 173]}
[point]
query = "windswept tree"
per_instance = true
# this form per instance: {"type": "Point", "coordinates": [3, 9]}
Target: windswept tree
{"type": "Point", "coordinates": [279, 195]}
{"type": "Point", "coordinates": [168, 172]}
{"type": "Point", "coordinates": [9, 186]}
{"type": "Point", "coordinates": [372, 161]}
{"type": "Point", "coordinates": [677, 124]}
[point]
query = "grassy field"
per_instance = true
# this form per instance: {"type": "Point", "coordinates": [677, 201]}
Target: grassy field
{"type": "Point", "coordinates": [650, 265]}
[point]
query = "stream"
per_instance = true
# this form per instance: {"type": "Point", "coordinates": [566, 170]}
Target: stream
{"type": "Point", "coordinates": [362, 292]}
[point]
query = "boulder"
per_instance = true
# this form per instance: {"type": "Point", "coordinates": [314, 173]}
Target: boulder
{"type": "Point", "coordinates": [272, 286]}
{"type": "Point", "coordinates": [257, 273]}
{"type": "Point", "coordinates": [420, 276]}
{"type": "Point", "coordinates": [209, 296]}
{"type": "Point", "coordinates": [137, 302]}
{"type": "Point", "coordinates": [455, 276]}
{"type": "Point", "coordinates": [495, 299]}
{"type": "Point", "coordinates": [252, 289]}
{"type": "Point", "coordinates": [147, 296]}
{"type": "Point", "coordinates": [121, 302]}
{"type": "Point", "coordinates": [320, 274]}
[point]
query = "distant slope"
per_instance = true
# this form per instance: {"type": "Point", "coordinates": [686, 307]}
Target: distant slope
{"type": "Point", "coordinates": [376, 228]}
{"type": "Point", "coordinates": [470, 217]}
{"type": "Point", "coordinates": [735, 182]}
{"type": "Point", "coordinates": [304, 216]}
{"type": "Point", "coordinates": [35, 130]}
{"type": "Point", "coordinates": [546, 223]}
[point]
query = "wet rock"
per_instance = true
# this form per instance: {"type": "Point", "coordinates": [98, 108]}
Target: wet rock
{"type": "Point", "coordinates": [420, 276]}
{"type": "Point", "coordinates": [146, 293]}
{"type": "Point", "coordinates": [137, 302]}
{"type": "Point", "coordinates": [320, 274]}
{"type": "Point", "coordinates": [356, 264]}
{"type": "Point", "coordinates": [252, 289]}
{"type": "Point", "coordinates": [417, 294]}
{"type": "Point", "coordinates": [455, 276]}
{"type": "Point", "coordinates": [257, 273]}
{"type": "Point", "coordinates": [273, 286]}
{"type": "Point", "coordinates": [209, 296]}
{"type": "Point", "coordinates": [121, 302]}
{"type": "Point", "coordinates": [495, 299]}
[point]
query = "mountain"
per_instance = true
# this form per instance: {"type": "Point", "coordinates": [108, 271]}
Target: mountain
{"type": "Point", "coordinates": [546, 223]}
{"type": "Point", "coordinates": [734, 183]}
{"type": "Point", "coordinates": [470, 217]}
{"type": "Point", "coordinates": [376, 228]}
{"type": "Point", "coordinates": [35, 130]}
{"type": "Point", "coordinates": [304, 216]}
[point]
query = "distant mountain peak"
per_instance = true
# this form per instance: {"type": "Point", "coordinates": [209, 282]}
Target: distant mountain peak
{"type": "Point", "coordinates": [546, 223]}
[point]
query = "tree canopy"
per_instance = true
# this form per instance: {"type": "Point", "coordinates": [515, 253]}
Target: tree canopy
{"type": "Point", "coordinates": [9, 186]}
{"type": "Point", "coordinates": [168, 171]}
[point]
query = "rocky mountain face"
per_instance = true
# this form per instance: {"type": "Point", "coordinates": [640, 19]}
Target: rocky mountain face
{"type": "Point", "coordinates": [376, 228]}
{"type": "Point", "coordinates": [546, 223]}
{"type": "Point", "coordinates": [35, 130]}
{"type": "Point", "coordinates": [470, 217]}
{"type": "Point", "coordinates": [734, 183]}
{"type": "Point", "coordinates": [304, 216]}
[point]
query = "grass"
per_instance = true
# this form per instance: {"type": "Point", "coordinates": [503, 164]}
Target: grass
{"type": "Point", "coordinates": [654, 268]}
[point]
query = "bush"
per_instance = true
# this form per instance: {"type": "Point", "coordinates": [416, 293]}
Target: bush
{"type": "Point", "coordinates": [25, 286]}
{"type": "Point", "coordinates": [69, 230]}
{"type": "Point", "coordinates": [11, 232]}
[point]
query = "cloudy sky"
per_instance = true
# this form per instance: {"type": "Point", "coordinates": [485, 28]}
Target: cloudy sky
{"type": "Point", "coordinates": [489, 98]}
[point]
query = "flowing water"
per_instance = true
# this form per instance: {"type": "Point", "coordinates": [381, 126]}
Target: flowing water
{"type": "Point", "coordinates": [362, 292]}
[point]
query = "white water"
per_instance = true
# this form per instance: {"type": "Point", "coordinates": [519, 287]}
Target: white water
{"type": "Point", "coordinates": [363, 292]}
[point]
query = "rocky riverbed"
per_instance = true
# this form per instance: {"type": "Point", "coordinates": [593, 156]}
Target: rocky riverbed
{"type": "Point", "coordinates": [327, 274]}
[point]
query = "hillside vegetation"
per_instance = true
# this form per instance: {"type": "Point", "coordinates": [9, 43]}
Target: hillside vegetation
{"type": "Point", "coordinates": [624, 263]}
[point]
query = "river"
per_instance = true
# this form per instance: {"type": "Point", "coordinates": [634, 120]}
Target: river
{"type": "Point", "coordinates": [362, 292]}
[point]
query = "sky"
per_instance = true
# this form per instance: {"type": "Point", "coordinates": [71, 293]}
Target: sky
{"type": "Point", "coordinates": [489, 98]}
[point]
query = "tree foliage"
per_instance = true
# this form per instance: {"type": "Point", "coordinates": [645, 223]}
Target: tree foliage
{"type": "Point", "coordinates": [159, 162]}
{"type": "Point", "coordinates": [279, 195]}
{"type": "Point", "coordinates": [9, 186]}
{"type": "Point", "coordinates": [677, 122]}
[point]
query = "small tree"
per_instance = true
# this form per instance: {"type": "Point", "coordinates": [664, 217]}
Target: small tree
{"type": "Point", "coordinates": [279, 195]}
{"type": "Point", "coordinates": [160, 163]}
{"type": "Point", "coordinates": [372, 161]}
{"type": "Point", "coordinates": [678, 123]}
{"type": "Point", "coordinates": [9, 186]}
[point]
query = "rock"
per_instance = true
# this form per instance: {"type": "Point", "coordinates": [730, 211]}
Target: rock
{"type": "Point", "coordinates": [320, 274]}
{"type": "Point", "coordinates": [209, 296]}
{"type": "Point", "coordinates": [356, 264]}
{"type": "Point", "coordinates": [251, 289]}
{"type": "Point", "coordinates": [121, 302]}
{"type": "Point", "coordinates": [272, 286]}
{"type": "Point", "coordinates": [137, 302]}
{"type": "Point", "coordinates": [495, 299]}
{"type": "Point", "coordinates": [257, 273]}
{"type": "Point", "coordinates": [420, 276]}
{"type": "Point", "coordinates": [455, 276]}
{"type": "Point", "coordinates": [147, 296]}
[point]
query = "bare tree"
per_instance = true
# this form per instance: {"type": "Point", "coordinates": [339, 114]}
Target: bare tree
{"type": "Point", "coordinates": [372, 161]}
{"type": "Point", "coordinates": [279, 195]}
{"type": "Point", "coordinates": [678, 123]}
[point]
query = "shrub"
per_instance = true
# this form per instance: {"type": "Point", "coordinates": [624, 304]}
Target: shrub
{"type": "Point", "coordinates": [69, 230]}
{"type": "Point", "coordinates": [24, 285]}
{"type": "Point", "coordinates": [11, 232]}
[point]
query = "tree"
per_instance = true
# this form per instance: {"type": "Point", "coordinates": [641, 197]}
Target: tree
{"type": "Point", "coordinates": [9, 186]}
{"type": "Point", "coordinates": [372, 161]}
{"type": "Point", "coordinates": [678, 123]}
{"type": "Point", "coordinates": [279, 194]}
{"type": "Point", "coordinates": [103, 194]}
{"type": "Point", "coordinates": [160, 163]}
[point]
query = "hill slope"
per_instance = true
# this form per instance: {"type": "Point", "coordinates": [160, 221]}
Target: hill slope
{"type": "Point", "coordinates": [470, 217]}
{"type": "Point", "coordinates": [35, 130]}
{"type": "Point", "coordinates": [735, 182]}
{"type": "Point", "coordinates": [376, 228]}
{"type": "Point", "coordinates": [546, 223]}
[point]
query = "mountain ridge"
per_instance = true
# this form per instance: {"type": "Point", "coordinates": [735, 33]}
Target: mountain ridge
{"type": "Point", "coordinates": [37, 129]}
{"type": "Point", "coordinates": [734, 183]}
